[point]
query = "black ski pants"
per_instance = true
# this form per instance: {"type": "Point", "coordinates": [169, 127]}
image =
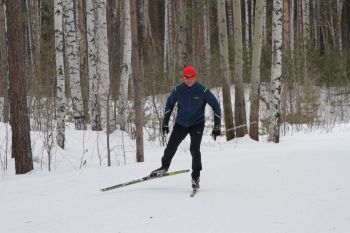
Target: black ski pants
{"type": "Point", "coordinates": [177, 136]}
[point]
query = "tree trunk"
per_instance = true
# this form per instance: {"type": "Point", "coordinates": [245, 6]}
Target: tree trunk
{"type": "Point", "coordinates": [255, 79]}
{"type": "Point", "coordinates": [291, 27]}
{"type": "Point", "coordinates": [126, 69]}
{"type": "Point", "coordinates": [306, 21]}
{"type": "Point", "coordinates": [83, 52]}
{"type": "Point", "coordinates": [137, 79]}
{"type": "Point", "coordinates": [60, 91]}
{"type": "Point", "coordinates": [339, 28]}
{"type": "Point", "coordinates": [276, 71]}
{"type": "Point", "coordinates": [103, 62]}
{"type": "Point", "coordinates": [181, 42]}
{"type": "Point", "coordinates": [240, 112]}
{"type": "Point", "coordinates": [264, 24]}
{"type": "Point", "coordinates": [331, 22]}
{"type": "Point", "coordinates": [206, 35]}
{"type": "Point", "coordinates": [247, 26]}
{"type": "Point", "coordinates": [73, 59]}
{"type": "Point", "coordinates": [168, 41]}
{"type": "Point", "coordinates": [3, 64]}
{"type": "Point", "coordinates": [225, 71]}
{"type": "Point", "coordinates": [91, 22]}
{"type": "Point", "coordinates": [21, 144]}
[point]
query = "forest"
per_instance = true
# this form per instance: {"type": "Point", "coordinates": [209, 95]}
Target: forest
{"type": "Point", "coordinates": [102, 65]}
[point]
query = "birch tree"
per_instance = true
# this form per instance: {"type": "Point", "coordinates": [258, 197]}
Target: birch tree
{"type": "Point", "coordinates": [339, 28]}
{"type": "Point", "coordinates": [73, 62]}
{"type": "Point", "coordinates": [103, 63]}
{"type": "Point", "coordinates": [276, 71]}
{"type": "Point", "coordinates": [247, 26]}
{"type": "Point", "coordinates": [168, 40]}
{"type": "Point", "coordinates": [206, 35]}
{"type": "Point", "coordinates": [126, 69]}
{"type": "Point", "coordinates": [21, 144]}
{"type": "Point", "coordinates": [264, 23]}
{"type": "Point", "coordinates": [60, 89]}
{"type": "Point", "coordinates": [306, 20]}
{"type": "Point", "coordinates": [255, 78]}
{"type": "Point", "coordinates": [95, 108]}
{"type": "Point", "coordinates": [225, 71]}
{"type": "Point", "coordinates": [181, 37]}
{"type": "Point", "coordinates": [137, 79]}
{"type": "Point", "coordinates": [240, 112]}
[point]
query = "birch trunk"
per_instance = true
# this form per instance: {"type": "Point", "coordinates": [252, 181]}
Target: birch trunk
{"type": "Point", "coordinates": [339, 29]}
{"type": "Point", "coordinates": [318, 25]}
{"type": "Point", "coordinates": [21, 143]}
{"type": "Point", "coordinates": [91, 22]}
{"type": "Point", "coordinates": [252, 17]}
{"type": "Point", "coordinates": [276, 71]}
{"type": "Point", "coordinates": [240, 112]}
{"type": "Point", "coordinates": [103, 63]}
{"type": "Point", "coordinates": [73, 62]}
{"type": "Point", "coordinates": [168, 40]}
{"type": "Point", "coordinates": [291, 27]}
{"type": "Point", "coordinates": [122, 103]}
{"type": "Point", "coordinates": [331, 22]}
{"type": "Point", "coordinates": [230, 25]}
{"type": "Point", "coordinates": [60, 91]}
{"type": "Point", "coordinates": [255, 78]}
{"type": "Point", "coordinates": [225, 71]}
{"type": "Point", "coordinates": [137, 79]}
{"type": "Point", "coordinates": [264, 24]}
{"type": "Point", "coordinates": [247, 26]}
{"type": "Point", "coordinates": [206, 35]}
{"type": "Point", "coordinates": [306, 21]}
{"type": "Point", "coordinates": [181, 41]}
{"type": "Point", "coordinates": [306, 33]}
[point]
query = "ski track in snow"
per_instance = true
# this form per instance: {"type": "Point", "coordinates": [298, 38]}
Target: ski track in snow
{"type": "Point", "coordinates": [300, 185]}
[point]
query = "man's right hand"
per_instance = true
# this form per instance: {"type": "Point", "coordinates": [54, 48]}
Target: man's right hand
{"type": "Point", "coordinates": [165, 129]}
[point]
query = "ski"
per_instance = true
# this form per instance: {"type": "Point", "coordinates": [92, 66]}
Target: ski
{"type": "Point", "coordinates": [143, 179]}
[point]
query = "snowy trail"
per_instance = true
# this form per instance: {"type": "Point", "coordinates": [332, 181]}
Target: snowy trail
{"type": "Point", "coordinates": [298, 186]}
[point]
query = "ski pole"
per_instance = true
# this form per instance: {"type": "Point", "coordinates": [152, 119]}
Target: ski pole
{"type": "Point", "coordinates": [237, 127]}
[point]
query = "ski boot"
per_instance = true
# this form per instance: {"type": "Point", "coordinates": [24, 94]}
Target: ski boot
{"type": "Point", "coordinates": [159, 172]}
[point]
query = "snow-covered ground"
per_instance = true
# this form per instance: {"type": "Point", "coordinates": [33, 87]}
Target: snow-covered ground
{"type": "Point", "coordinates": [300, 185]}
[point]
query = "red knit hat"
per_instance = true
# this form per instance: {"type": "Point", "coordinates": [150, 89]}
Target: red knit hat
{"type": "Point", "coordinates": [189, 72]}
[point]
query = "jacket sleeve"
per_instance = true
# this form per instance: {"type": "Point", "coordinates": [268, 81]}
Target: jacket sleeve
{"type": "Point", "coordinates": [170, 103]}
{"type": "Point", "coordinates": [214, 104]}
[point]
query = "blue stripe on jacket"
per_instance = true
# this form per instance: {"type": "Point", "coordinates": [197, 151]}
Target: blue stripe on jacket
{"type": "Point", "coordinates": [191, 102]}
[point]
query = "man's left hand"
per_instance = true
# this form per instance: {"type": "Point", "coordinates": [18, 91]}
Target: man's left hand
{"type": "Point", "coordinates": [216, 131]}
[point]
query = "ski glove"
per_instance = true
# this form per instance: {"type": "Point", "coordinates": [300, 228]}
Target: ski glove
{"type": "Point", "coordinates": [216, 131]}
{"type": "Point", "coordinates": [165, 129]}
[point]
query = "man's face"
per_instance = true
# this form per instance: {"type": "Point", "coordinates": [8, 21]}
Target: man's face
{"type": "Point", "coordinates": [189, 81]}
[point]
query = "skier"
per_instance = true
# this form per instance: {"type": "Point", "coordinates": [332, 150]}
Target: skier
{"type": "Point", "coordinates": [191, 98]}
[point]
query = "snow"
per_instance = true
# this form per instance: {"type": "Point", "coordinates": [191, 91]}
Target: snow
{"type": "Point", "coordinates": [300, 185]}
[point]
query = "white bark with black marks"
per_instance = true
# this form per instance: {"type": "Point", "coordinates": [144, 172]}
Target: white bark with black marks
{"type": "Point", "coordinates": [60, 90]}
{"type": "Point", "coordinates": [94, 100]}
{"type": "Point", "coordinates": [73, 62]}
{"type": "Point", "coordinates": [126, 70]}
{"type": "Point", "coordinates": [276, 71]}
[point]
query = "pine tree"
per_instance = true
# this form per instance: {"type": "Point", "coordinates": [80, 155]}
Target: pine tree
{"type": "Point", "coordinates": [21, 144]}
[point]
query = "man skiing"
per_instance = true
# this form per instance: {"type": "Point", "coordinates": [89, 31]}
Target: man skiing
{"type": "Point", "coordinates": [191, 98]}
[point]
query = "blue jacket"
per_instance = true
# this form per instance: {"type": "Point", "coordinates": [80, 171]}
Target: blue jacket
{"type": "Point", "coordinates": [191, 103]}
